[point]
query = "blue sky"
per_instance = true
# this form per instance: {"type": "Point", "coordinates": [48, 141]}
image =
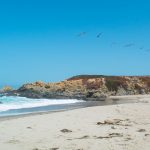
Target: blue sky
{"type": "Point", "coordinates": [39, 39]}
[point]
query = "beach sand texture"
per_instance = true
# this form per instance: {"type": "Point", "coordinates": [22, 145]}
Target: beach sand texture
{"type": "Point", "coordinates": [113, 127]}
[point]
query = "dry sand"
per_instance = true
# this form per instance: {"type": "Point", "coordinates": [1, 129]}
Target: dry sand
{"type": "Point", "coordinates": [113, 127]}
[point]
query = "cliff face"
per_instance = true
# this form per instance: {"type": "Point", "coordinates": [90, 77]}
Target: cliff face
{"type": "Point", "coordinates": [88, 87]}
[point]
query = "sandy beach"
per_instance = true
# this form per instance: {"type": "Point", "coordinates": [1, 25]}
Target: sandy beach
{"type": "Point", "coordinates": [111, 127]}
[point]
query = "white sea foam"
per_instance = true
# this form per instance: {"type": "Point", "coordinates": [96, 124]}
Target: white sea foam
{"type": "Point", "coordinates": [14, 102]}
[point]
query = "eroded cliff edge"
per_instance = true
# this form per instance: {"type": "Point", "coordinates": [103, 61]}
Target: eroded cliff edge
{"type": "Point", "coordinates": [87, 87]}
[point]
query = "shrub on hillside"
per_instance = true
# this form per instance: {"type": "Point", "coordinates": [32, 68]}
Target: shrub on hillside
{"type": "Point", "coordinates": [7, 88]}
{"type": "Point", "coordinates": [115, 82]}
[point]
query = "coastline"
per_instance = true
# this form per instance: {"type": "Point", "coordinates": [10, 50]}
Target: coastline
{"type": "Point", "coordinates": [85, 87]}
{"type": "Point", "coordinates": [112, 100]}
{"type": "Point", "coordinates": [87, 128]}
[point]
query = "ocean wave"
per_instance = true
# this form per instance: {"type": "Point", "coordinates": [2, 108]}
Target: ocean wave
{"type": "Point", "coordinates": [15, 102]}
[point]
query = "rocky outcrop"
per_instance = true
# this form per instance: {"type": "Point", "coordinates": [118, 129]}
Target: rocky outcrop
{"type": "Point", "coordinates": [6, 89]}
{"type": "Point", "coordinates": [87, 87]}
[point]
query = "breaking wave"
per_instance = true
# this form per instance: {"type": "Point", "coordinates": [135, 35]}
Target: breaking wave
{"type": "Point", "coordinates": [15, 102]}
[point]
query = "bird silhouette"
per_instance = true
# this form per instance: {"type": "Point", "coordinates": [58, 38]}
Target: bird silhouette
{"type": "Point", "coordinates": [147, 50]}
{"type": "Point", "coordinates": [81, 34]}
{"type": "Point", "coordinates": [141, 48]}
{"type": "Point", "coordinates": [99, 34]}
{"type": "Point", "coordinates": [129, 45]}
{"type": "Point", "coordinates": [113, 43]}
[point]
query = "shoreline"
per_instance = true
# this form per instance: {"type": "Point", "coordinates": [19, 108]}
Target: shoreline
{"type": "Point", "coordinates": [112, 100]}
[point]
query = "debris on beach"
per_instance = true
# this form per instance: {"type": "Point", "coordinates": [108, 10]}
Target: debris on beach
{"type": "Point", "coordinates": [84, 137]}
{"type": "Point", "coordinates": [29, 127]}
{"type": "Point", "coordinates": [56, 148]}
{"type": "Point", "coordinates": [111, 135]}
{"type": "Point", "coordinates": [141, 130]}
{"type": "Point", "coordinates": [128, 139]}
{"type": "Point", "coordinates": [110, 122]}
{"type": "Point", "coordinates": [118, 122]}
{"type": "Point", "coordinates": [147, 134]}
{"type": "Point", "coordinates": [65, 131]}
{"type": "Point", "coordinates": [113, 127]}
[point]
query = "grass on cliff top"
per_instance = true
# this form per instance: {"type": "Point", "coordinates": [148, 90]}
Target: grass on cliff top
{"type": "Point", "coordinates": [87, 77]}
{"type": "Point", "coordinates": [144, 78]}
{"type": "Point", "coordinates": [112, 82]}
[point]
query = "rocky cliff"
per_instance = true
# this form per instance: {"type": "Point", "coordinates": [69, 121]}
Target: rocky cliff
{"type": "Point", "coordinates": [87, 87]}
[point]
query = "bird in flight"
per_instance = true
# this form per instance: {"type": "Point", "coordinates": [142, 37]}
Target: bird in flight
{"type": "Point", "coordinates": [113, 43]}
{"type": "Point", "coordinates": [81, 34]}
{"type": "Point", "coordinates": [148, 50]}
{"type": "Point", "coordinates": [129, 45]}
{"type": "Point", "coordinates": [99, 34]}
{"type": "Point", "coordinates": [141, 48]}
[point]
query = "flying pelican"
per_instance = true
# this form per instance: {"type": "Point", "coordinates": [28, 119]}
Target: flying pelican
{"type": "Point", "coordinates": [141, 48]}
{"type": "Point", "coordinates": [99, 34]}
{"type": "Point", "coordinates": [113, 43]}
{"type": "Point", "coordinates": [81, 34]}
{"type": "Point", "coordinates": [129, 45]}
{"type": "Point", "coordinates": [148, 50]}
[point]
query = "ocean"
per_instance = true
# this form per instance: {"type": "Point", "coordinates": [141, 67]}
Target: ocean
{"type": "Point", "coordinates": [14, 105]}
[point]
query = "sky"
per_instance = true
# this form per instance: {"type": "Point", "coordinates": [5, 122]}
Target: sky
{"type": "Point", "coordinates": [51, 40]}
